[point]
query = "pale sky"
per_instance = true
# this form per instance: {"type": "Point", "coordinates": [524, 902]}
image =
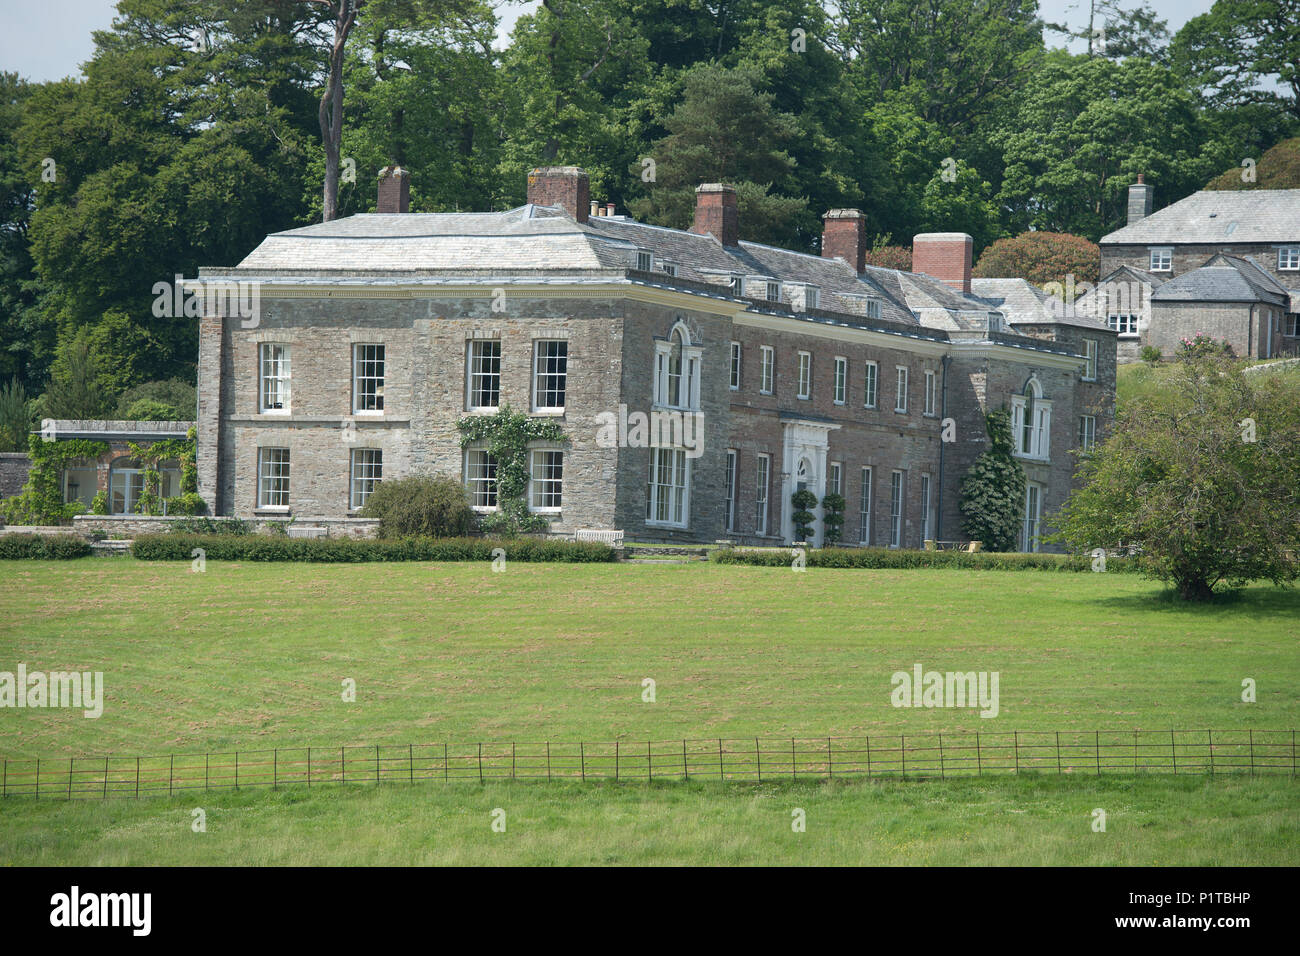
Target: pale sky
{"type": "Point", "coordinates": [49, 40]}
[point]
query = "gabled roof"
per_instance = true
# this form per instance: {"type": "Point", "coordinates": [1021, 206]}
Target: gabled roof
{"type": "Point", "coordinates": [1224, 279]}
{"type": "Point", "coordinates": [1218, 216]}
{"type": "Point", "coordinates": [1023, 303]}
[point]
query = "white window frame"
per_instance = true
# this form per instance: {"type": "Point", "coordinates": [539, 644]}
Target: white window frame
{"type": "Point", "coordinates": [644, 260]}
{"type": "Point", "coordinates": [668, 493]}
{"type": "Point", "coordinates": [1031, 524]}
{"type": "Point", "coordinates": [1126, 324]}
{"type": "Point", "coordinates": [274, 377]}
{"type": "Point", "coordinates": [731, 489]}
{"type": "Point", "coordinates": [931, 393]}
{"type": "Point", "coordinates": [366, 471]}
{"type": "Point", "coordinates": [1090, 360]}
{"type": "Point", "coordinates": [871, 385]}
{"type": "Point", "coordinates": [734, 383]}
{"type": "Point", "coordinates": [804, 380]}
{"type": "Point", "coordinates": [1087, 432]}
{"type": "Point", "coordinates": [1288, 258]}
{"type": "Point", "coordinates": [772, 290]}
{"type": "Point", "coordinates": [542, 483]}
{"type": "Point", "coordinates": [669, 268]}
{"type": "Point", "coordinates": [483, 488]}
{"type": "Point", "coordinates": [841, 393]}
{"type": "Point", "coordinates": [900, 388]}
{"type": "Point", "coordinates": [896, 506]}
{"type": "Point", "coordinates": [762, 478]}
{"type": "Point", "coordinates": [544, 380]}
{"type": "Point", "coordinates": [926, 530]}
{"type": "Point", "coordinates": [364, 371]}
{"type": "Point", "coordinates": [1161, 259]}
{"type": "Point", "coordinates": [688, 375]}
{"type": "Point", "coordinates": [273, 470]}
{"type": "Point", "coordinates": [1039, 443]}
{"type": "Point", "coordinates": [835, 478]}
{"type": "Point", "coordinates": [873, 308]}
{"type": "Point", "coordinates": [767, 370]}
{"type": "Point", "coordinates": [476, 374]}
{"type": "Point", "coordinates": [864, 506]}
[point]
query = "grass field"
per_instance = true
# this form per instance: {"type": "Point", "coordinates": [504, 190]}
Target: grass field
{"type": "Point", "coordinates": [250, 656]}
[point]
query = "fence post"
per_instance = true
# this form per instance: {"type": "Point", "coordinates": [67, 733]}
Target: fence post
{"type": "Point", "coordinates": [868, 755]}
{"type": "Point", "coordinates": [1016, 743]}
{"type": "Point", "coordinates": [979, 764]}
{"type": "Point", "coordinates": [758, 757]}
{"type": "Point", "coordinates": [309, 767]}
{"type": "Point", "coordinates": [548, 761]}
{"type": "Point", "coordinates": [4, 788]}
{"type": "Point", "coordinates": [410, 760]}
{"type": "Point", "coordinates": [206, 759]}
{"type": "Point", "coordinates": [830, 760]}
{"type": "Point", "coordinates": [942, 774]}
{"type": "Point", "coordinates": [445, 771]}
{"type": "Point", "coordinates": [1096, 749]}
{"type": "Point", "coordinates": [902, 752]}
{"type": "Point", "coordinates": [513, 746]}
{"type": "Point", "coordinates": [616, 761]}
{"type": "Point", "coordinates": [137, 778]}
{"type": "Point", "coordinates": [1058, 751]}
{"type": "Point", "coordinates": [686, 771]}
{"type": "Point", "coordinates": [343, 764]}
{"type": "Point", "coordinates": [105, 793]}
{"type": "Point", "coordinates": [1173, 750]}
{"type": "Point", "coordinates": [1135, 751]}
{"type": "Point", "coordinates": [1293, 753]}
{"type": "Point", "coordinates": [171, 773]}
{"type": "Point", "coordinates": [275, 768]}
{"type": "Point", "coordinates": [70, 759]}
{"type": "Point", "coordinates": [582, 759]}
{"type": "Point", "coordinates": [480, 761]}
{"type": "Point", "coordinates": [1209, 740]}
{"type": "Point", "coordinates": [38, 778]}
{"type": "Point", "coordinates": [794, 774]}
{"type": "Point", "coordinates": [649, 761]}
{"type": "Point", "coordinates": [722, 775]}
{"type": "Point", "coordinates": [1252, 752]}
{"type": "Point", "coordinates": [376, 765]}
{"type": "Point", "coordinates": [137, 769]}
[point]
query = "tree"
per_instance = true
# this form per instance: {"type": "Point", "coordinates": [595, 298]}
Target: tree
{"type": "Point", "coordinates": [1243, 52]}
{"type": "Point", "coordinates": [1084, 128]}
{"type": "Point", "coordinates": [803, 518]}
{"type": "Point", "coordinates": [1278, 168]}
{"type": "Point", "coordinates": [1201, 477]}
{"type": "Point", "coordinates": [725, 129]}
{"type": "Point", "coordinates": [75, 390]}
{"type": "Point", "coordinates": [993, 489]}
{"type": "Point", "coordinates": [1041, 257]}
{"type": "Point", "coordinates": [886, 256]}
{"type": "Point", "coordinates": [1116, 31]}
{"type": "Point", "coordinates": [15, 416]}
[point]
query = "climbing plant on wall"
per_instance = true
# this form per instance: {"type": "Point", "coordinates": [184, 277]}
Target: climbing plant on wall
{"type": "Point", "coordinates": [505, 436]}
{"type": "Point", "coordinates": [150, 501]}
{"type": "Point", "coordinates": [41, 500]}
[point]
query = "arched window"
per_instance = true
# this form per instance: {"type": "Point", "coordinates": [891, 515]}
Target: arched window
{"type": "Point", "coordinates": [802, 475]}
{"type": "Point", "coordinates": [677, 370]}
{"type": "Point", "coordinates": [1031, 421]}
{"type": "Point", "coordinates": [126, 483]}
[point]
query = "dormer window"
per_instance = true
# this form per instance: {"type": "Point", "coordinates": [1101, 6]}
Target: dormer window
{"type": "Point", "coordinates": [1162, 259]}
{"type": "Point", "coordinates": [737, 285]}
{"type": "Point", "coordinates": [873, 308]}
{"type": "Point", "coordinates": [645, 260]}
{"type": "Point", "coordinates": [670, 268]}
{"type": "Point", "coordinates": [804, 296]}
{"type": "Point", "coordinates": [1288, 258]}
{"type": "Point", "coordinates": [773, 291]}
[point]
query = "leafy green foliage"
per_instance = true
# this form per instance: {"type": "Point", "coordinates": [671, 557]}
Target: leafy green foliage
{"type": "Point", "coordinates": [904, 558]}
{"type": "Point", "coordinates": [42, 547]}
{"type": "Point", "coordinates": [41, 500]}
{"type": "Point", "coordinates": [993, 489]}
{"type": "Point", "coordinates": [261, 547]}
{"type": "Point", "coordinates": [506, 437]}
{"type": "Point", "coordinates": [1200, 477]}
{"type": "Point", "coordinates": [420, 505]}
{"type": "Point", "coordinates": [803, 500]}
{"type": "Point", "coordinates": [15, 416]}
{"type": "Point", "coordinates": [1041, 257]}
{"type": "Point", "coordinates": [832, 518]}
{"type": "Point", "coordinates": [172, 400]}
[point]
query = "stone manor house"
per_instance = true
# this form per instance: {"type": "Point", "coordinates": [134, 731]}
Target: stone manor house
{"type": "Point", "coordinates": [377, 333]}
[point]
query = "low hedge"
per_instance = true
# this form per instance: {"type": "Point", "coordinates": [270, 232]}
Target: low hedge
{"type": "Point", "coordinates": [42, 547]}
{"type": "Point", "coordinates": [899, 558]}
{"type": "Point", "coordinates": [261, 547]}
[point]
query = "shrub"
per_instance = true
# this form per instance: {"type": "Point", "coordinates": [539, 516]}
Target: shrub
{"type": "Point", "coordinates": [189, 503]}
{"type": "Point", "coordinates": [802, 500]}
{"type": "Point", "coordinates": [1041, 257]}
{"type": "Point", "coordinates": [894, 558]}
{"type": "Point", "coordinates": [421, 505]}
{"type": "Point", "coordinates": [99, 503]}
{"type": "Point", "coordinates": [205, 525]}
{"type": "Point", "coordinates": [1150, 354]}
{"type": "Point", "coordinates": [260, 547]}
{"type": "Point", "coordinates": [832, 517]}
{"type": "Point", "coordinates": [55, 547]}
{"type": "Point", "coordinates": [993, 489]}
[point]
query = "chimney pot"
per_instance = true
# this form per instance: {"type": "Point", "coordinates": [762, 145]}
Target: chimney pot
{"type": "Point", "coordinates": [609, 209]}
{"type": "Point", "coordinates": [844, 236]}
{"type": "Point", "coordinates": [595, 209]}
{"type": "Point", "coordinates": [394, 190]}
{"type": "Point", "coordinates": [564, 186]}
{"type": "Point", "coordinates": [1139, 200]}
{"type": "Point", "coordinates": [716, 213]}
{"type": "Point", "coordinates": [945, 256]}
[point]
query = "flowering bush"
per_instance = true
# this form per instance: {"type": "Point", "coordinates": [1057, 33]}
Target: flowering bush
{"type": "Point", "coordinates": [1202, 344]}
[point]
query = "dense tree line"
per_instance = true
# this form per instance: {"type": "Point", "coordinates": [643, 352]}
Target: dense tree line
{"type": "Point", "coordinates": [197, 128]}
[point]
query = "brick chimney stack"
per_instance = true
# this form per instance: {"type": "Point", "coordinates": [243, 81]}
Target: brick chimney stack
{"type": "Point", "coordinates": [394, 190]}
{"type": "Point", "coordinates": [716, 213]}
{"type": "Point", "coordinates": [1139, 201]}
{"type": "Point", "coordinates": [945, 256]}
{"type": "Point", "coordinates": [566, 186]}
{"type": "Point", "coordinates": [844, 236]}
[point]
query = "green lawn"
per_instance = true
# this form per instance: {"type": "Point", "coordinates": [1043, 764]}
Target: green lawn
{"type": "Point", "coordinates": [253, 655]}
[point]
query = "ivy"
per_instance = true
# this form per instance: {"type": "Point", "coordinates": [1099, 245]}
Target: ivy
{"type": "Point", "coordinates": [506, 436]}
{"type": "Point", "coordinates": [41, 500]}
{"type": "Point", "coordinates": [993, 490]}
{"type": "Point", "coordinates": [151, 455]}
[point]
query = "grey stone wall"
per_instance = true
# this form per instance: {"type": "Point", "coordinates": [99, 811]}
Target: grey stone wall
{"type": "Point", "coordinates": [14, 466]}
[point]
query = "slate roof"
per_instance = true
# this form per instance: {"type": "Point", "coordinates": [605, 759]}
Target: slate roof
{"type": "Point", "coordinates": [1218, 216]}
{"type": "Point", "coordinates": [1023, 303]}
{"type": "Point", "coordinates": [1224, 279]}
{"type": "Point", "coordinates": [540, 243]}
